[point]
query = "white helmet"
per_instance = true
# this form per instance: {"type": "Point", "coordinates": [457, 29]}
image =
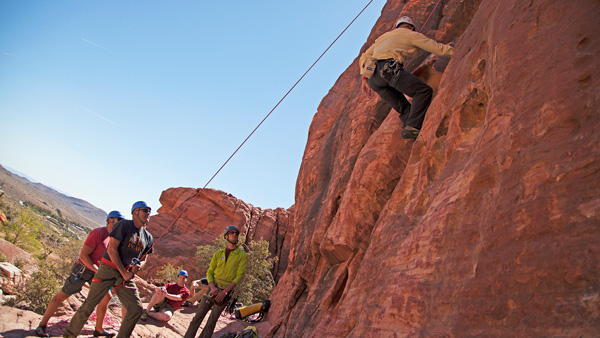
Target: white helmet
{"type": "Point", "coordinates": [405, 19]}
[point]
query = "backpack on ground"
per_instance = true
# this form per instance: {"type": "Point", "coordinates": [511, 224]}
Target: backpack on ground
{"type": "Point", "coordinates": [245, 312]}
{"type": "Point", "coordinates": [248, 332]}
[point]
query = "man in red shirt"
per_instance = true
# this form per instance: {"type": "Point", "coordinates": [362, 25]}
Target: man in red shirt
{"type": "Point", "coordinates": [167, 299]}
{"type": "Point", "coordinates": [83, 271]}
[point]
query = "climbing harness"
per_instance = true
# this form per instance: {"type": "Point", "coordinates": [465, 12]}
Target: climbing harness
{"type": "Point", "coordinates": [111, 265]}
{"type": "Point", "coordinates": [79, 273]}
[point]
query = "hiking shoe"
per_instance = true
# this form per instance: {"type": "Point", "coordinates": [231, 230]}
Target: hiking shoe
{"type": "Point", "coordinates": [103, 333]}
{"type": "Point", "coordinates": [144, 316]}
{"type": "Point", "coordinates": [409, 132]}
{"type": "Point", "coordinates": [41, 331]}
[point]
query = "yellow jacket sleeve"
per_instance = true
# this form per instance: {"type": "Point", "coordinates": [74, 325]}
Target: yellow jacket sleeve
{"type": "Point", "coordinates": [210, 274]}
{"type": "Point", "coordinates": [363, 58]}
{"type": "Point", "coordinates": [402, 44]}
{"type": "Point", "coordinates": [432, 46]}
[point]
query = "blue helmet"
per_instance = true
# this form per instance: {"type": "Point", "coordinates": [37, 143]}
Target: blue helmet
{"type": "Point", "coordinates": [114, 214]}
{"type": "Point", "coordinates": [231, 228]}
{"type": "Point", "coordinates": [182, 272]}
{"type": "Point", "coordinates": [139, 204]}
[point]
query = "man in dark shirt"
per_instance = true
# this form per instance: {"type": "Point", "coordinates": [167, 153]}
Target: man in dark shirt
{"type": "Point", "coordinates": [167, 299]}
{"type": "Point", "coordinates": [128, 246]}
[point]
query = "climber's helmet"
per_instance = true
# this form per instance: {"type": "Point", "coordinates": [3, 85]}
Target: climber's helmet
{"type": "Point", "coordinates": [406, 20]}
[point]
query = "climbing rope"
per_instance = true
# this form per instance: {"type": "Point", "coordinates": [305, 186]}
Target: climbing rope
{"type": "Point", "coordinates": [253, 131]}
{"type": "Point", "coordinates": [267, 116]}
{"type": "Point", "coordinates": [434, 8]}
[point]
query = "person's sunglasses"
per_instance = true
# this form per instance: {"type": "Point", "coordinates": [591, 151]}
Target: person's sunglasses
{"type": "Point", "coordinates": [144, 210]}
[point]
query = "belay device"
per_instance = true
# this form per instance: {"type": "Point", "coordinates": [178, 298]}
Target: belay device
{"type": "Point", "coordinates": [245, 311]}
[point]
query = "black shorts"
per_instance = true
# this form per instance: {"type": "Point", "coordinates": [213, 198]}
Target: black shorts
{"type": "Point", "coordinates": [79, 275]}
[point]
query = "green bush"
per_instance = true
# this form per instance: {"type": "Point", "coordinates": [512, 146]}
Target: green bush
{"type": "Point", "coordinates": [3, 258]}
{"type": "Point", "coordinates": [40, 288]}
{"type": "Point", "coordinates": [258, 281]}
{"type": "Point", "coordinates": [24, 232]}
{"type": "Point", "coordinates": [19, 263]}
{"type": "Point", "coordinates": [168, 273]}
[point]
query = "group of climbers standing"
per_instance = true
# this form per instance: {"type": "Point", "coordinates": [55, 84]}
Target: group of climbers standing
{"type": "Point", "coordinates": [109, 260]}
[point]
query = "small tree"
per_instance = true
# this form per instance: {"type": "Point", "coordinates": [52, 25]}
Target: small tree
{"type": "Point", "coordinates": [41, 287]}
{"type": "Point", "coordinates": [258, 281]}
{"type": "Point", "coordinates": [168, 273]}
{"type": "Point", "coordinates": [24, 231]}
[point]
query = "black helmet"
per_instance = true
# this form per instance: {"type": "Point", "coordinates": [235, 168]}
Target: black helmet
{"type": "Point", "coordinates": [230, 228]}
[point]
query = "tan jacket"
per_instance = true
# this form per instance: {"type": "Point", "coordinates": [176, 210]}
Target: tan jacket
{"type": "Point", "coordinates": [402, 44]}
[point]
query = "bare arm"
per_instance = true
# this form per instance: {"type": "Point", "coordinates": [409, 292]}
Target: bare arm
{"type": "Point", "coordinates": [365, 86]}
{"type": "Point", "coordinates": [113, 253]}
{"type": "Point", "coordinates": [84, 257]}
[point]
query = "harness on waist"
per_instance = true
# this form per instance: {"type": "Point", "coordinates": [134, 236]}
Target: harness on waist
{"type": "Point", "coordinates": [112, 265]}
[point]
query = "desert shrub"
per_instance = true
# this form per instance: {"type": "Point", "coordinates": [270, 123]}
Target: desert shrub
{"type": "Point", "coordinates": [67, 252]}
{"type": "Point", "coordinates": [3, 258]}
{"type": "Point", "coordinates": [9, 301]}
{"type": "Point", "coordinates": [24, 231]}
{"type": "Point", "coordinates": [168, 273]}
{"type": "Point", "coordinates": [258, 282]}
{"type": "Point", "coordinates": [19, 263]}
{"type": "Point", "coordinates": [40, 288]}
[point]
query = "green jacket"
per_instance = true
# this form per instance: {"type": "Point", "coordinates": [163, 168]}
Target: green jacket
{"type": "Point", "coordinates": [222, 272]}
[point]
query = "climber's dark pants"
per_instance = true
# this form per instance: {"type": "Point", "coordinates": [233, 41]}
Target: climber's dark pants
{"type": "Point", "coordinates": [206, 304]}
{"type": "Point", "coordinates": [391, 82]}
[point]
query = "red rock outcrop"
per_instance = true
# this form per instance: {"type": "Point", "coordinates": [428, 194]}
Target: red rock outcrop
{"type": "Point", "coordinates": [487, 224]}
{"type": "Point", "coordinates": [207, 213]}
{"type": "Point", "coordinates": [13, 254]}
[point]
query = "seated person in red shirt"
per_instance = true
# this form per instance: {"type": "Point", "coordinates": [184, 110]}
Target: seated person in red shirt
{"type": "Point", "coordinates": [167, 299]}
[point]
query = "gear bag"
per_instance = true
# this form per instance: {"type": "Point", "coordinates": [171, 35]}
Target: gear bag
{"type": "Point", "coordinates": [248, 332]}
{"type": "Point", "coordinates": [245, 311]}
{"type": "Point", "coordinates": [369, 68]}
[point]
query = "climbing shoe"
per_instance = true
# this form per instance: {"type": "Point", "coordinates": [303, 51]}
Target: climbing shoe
{"type": "Point", "coordinates": [103, 333]}
{"type": "Point", "coordinates": [41, 331]}
{"type": "Point", "coordinates": [409, 132]}
{"type": "Point", "coordinates": [144, 316]}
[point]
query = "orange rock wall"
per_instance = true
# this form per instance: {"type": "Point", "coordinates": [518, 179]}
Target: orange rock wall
{"type": "Point", "coordinates": [206, 215]}
{"type": "Point", "coordinates": [488, 224]}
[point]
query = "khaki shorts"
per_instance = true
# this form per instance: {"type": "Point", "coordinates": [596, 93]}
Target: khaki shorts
{"type": "Point", "coordinates": [163, 307]}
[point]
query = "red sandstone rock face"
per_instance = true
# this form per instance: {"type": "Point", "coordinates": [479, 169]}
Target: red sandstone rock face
{"type": "Point", "coordinates": [13, 253]}
{"type": "Point", "coordinates": [208, 213]}
{"type": "Point", "coordinates": [488, 224]}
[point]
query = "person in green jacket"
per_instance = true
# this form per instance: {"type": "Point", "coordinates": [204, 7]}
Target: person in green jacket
{"type": "Point", "coordinates": [226, 270]}
{"type": "Point", "coordinates": [382, 69]}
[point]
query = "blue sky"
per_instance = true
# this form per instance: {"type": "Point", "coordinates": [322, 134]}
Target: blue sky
{"type": "Point", "coordinates": [116, 101]}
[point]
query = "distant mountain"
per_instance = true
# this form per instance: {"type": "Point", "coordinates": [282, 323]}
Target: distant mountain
{"type": "Point", "coordinates": [76, 209]}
